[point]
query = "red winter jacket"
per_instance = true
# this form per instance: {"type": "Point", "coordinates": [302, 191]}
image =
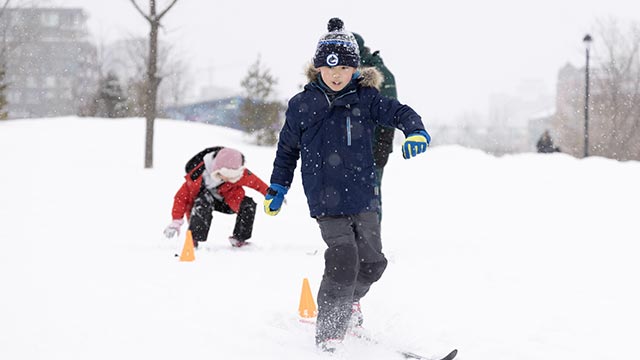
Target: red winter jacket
{"type": "Point", "coordinates": [232, 193]}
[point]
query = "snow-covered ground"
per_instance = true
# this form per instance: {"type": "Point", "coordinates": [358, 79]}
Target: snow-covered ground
{"type": "Point", "coordinates": [520, 257]}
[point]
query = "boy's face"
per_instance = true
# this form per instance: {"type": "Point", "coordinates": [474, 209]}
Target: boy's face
{"type": "Point", "coordinates": [336, 77]}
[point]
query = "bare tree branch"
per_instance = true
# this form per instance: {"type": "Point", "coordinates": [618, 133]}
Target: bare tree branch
{"type": "Point", "coordinates": [165, 10]}
{"type": "Point", "coordinates": [144, 15]}
{"type": "Point", "coordinates": [6, 3]}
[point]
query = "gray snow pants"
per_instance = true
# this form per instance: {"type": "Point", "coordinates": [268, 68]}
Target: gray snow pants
{"type": "Point", "coordinates": [353, 261]}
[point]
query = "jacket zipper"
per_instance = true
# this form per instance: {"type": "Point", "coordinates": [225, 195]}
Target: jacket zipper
{"type": "Point", "coordinates": [348, 106]}
{"type": "Point", "coordinates": [348, 131]}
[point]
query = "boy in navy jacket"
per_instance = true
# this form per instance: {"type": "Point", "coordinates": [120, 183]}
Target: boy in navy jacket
{"type": "Point", "coordinates": [330, 124]}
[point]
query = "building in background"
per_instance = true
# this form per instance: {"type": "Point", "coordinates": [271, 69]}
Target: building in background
{"type": "Point", "coordinates": [222, 112]}
{"type": "Point", "coordinates": [567, 126]}
{"type": "Point", "coordinates": [50, 63]}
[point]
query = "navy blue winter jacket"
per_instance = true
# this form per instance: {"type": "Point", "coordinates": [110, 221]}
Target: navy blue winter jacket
{"type": "Point", "coordinates": [334, 139]}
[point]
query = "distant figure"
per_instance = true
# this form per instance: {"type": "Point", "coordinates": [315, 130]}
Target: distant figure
{"type": "Point", "coordinates": [214, 182]}
{"type": "Point", "coordinates": [545, 144]}
{"type": "Point", "coordinates": [383, 137]}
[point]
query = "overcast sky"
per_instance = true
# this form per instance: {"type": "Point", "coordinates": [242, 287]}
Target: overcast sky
{"type": "Point", "coordinates": [448, 57]}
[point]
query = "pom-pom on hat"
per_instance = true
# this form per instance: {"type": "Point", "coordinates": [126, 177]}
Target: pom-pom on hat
{"type": "Point", "coordinates": [337, 47]}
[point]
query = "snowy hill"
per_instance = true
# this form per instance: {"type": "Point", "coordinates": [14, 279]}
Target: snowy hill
{"type": "Point", "coordinates": [519, 257]}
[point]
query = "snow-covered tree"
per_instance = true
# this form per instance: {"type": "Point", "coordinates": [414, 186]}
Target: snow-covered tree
{"type": "Point", "coordinates": [3, 95]}
{"type": "Point", "coordinates": [110, 100]}
{"type": "Point", "coordinates": [3, 85]}
{"type": "Point", "coordinates": [259, 114]}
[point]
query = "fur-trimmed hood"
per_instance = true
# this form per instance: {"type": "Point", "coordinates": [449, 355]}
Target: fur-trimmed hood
{"type": "Point", "coordinates": [369, 76]}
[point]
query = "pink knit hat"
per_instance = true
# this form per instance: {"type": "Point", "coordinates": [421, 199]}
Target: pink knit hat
{"type": "Point", "coordinates": [228, 163]}
{"type": "Point", "coordinates": [227, 158]}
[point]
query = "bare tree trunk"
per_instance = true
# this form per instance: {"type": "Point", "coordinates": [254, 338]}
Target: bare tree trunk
{"type": "Point", "coordinates": [152, 91]}
{"type": "Point", "coordinates": [153, 81]}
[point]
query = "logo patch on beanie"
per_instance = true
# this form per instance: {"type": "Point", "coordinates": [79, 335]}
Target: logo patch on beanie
{"type": "Point", "coordinates": [337, 47]}
{"type": "Point", "coordinates": [332, 60]}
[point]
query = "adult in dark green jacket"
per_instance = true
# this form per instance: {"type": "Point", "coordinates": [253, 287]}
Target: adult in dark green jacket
{"type": "Point", "coordinates": [383, 138]}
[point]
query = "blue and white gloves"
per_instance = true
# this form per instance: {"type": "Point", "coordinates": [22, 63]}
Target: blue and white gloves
{"type": "Point", "coordinates": [274, 199]}
{"type": "Point", "coordinates": [415, 143]}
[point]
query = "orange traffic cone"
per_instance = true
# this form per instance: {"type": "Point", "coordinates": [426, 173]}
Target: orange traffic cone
{"type": "Point", "coordinates": [188, 253]}
{"type": "Point", "coordinates": [307, 308]}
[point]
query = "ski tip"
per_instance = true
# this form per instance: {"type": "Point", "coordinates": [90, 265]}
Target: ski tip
{"type": "Point", "coordinates": [451, 355]}
{"type": "Point", "coordinates": [410, 355]}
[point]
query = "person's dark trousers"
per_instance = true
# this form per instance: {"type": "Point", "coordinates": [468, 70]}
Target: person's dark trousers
{"type": "Point", "coordinates": [245, 219]}
{"type": "Point", "coordinates": [202, 213]}
{"type": "Point", "coordinates": [353, 261]}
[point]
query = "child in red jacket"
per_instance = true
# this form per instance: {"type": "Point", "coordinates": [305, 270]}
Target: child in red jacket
{"type": "Point", "coordinates": [215, 183]}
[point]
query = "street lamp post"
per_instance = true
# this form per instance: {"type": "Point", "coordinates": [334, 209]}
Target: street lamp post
{"type": "Point", "coordinates": [587, 44]}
